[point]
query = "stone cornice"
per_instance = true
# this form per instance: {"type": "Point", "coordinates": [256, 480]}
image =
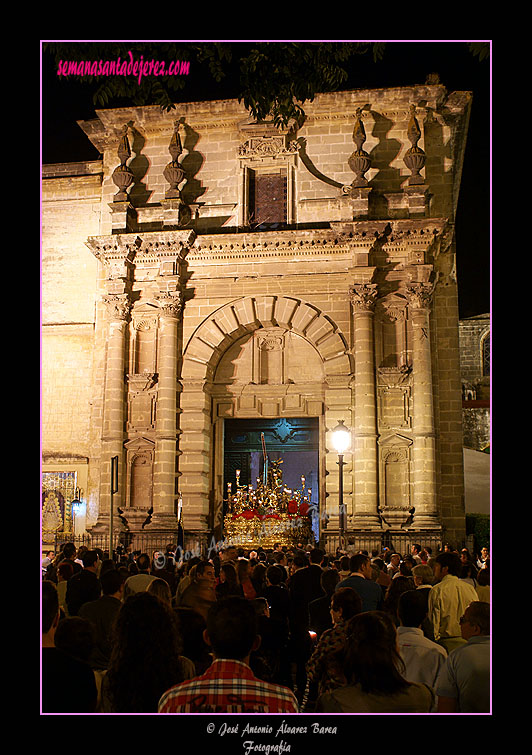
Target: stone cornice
{"type": "Point", "coordinates": [411, 241]}
{"type": "Point", "coordinates": [160, 244]}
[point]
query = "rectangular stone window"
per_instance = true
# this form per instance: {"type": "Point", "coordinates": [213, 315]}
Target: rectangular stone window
{"type": "Point", "coordinates": [267, 198]}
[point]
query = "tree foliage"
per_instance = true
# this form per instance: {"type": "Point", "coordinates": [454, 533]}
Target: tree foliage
{"type": "Point", "coordinates": [272, 79]}
{"type": "Point", "coordinates": [277, 78]}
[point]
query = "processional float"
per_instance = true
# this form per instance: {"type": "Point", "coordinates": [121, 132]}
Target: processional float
{"type": "Point", "coordinates": [270, 513]}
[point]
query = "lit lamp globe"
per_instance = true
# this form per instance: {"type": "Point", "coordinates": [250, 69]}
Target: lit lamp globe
{"type": "Point", "coordinates": [341, 438]}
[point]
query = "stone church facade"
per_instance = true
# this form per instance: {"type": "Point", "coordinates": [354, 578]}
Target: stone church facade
{"type": "Point", "coordinates": [209, 268]}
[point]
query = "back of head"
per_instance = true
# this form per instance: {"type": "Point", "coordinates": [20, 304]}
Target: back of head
{"type": "Point", "coordinates": [371, 658]}
{"type": "Point", "coordinates": [483, 577]}
{"type": "Point", "coordinates": [89, 559]}
{"type": "Point", "coordinates": [450, 560]}
{"type": "Point", "coordinates": [49, 605]}
{"type": "Point", "coordinates": [424, 573]}
{"type": "Point", "coordinates": [111, 581]}
{"type": "Point", "coordinates": [145, 658]}
{"type": "Point", "coordinates": [348, 600]}
{"type": "Point", "coordinates": [316, 556]}
{"type": "Point", "coordinates": [69, 550]}
{"type": "Point", "coordinates": [260, 605]}
{"type": "Point", "coordinates": [274, 575]}
{"type": "Point", "coordinates": [232, 628]}
{"type": "Point", "coordinates": [161, 589]}
{"type": "Point", "coordinates": [107, 565]}
{"type": "Point", "coordinates": [300, 560]}
{"type": "Point", "coordinates": [479, 613]}
{"type": "Point", "coordinates": [143, 562]}
{"type": "Point", "coordinates": [344, 563]}
{"type": "Point", "coordinates": [357, 561]}
{"type": "Point", "coordinates": [230, 573]}
{"type": "Point", "coordinates": [328, 580]}
{"type": "Point", "coordinates": [75, 636]}
{"type": "Point", "coordinates": [144, 623]}
{"type": "Point", "coordinates": [412, 608]}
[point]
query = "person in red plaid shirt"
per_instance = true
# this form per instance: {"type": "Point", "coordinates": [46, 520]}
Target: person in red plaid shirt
{"type": "Point", "coordinates": [229, 685]}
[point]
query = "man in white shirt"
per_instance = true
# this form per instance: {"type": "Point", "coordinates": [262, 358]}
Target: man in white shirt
{"type": "Point", "coordinates": [423, 658]}
{"type": "Point", "coordinates": [448, 600]}
{"type": "Point", "coordinates": [464, 683]}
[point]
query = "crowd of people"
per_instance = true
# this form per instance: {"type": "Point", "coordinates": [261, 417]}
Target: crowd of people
{"type": "Point", "coordinates": [284, 630]}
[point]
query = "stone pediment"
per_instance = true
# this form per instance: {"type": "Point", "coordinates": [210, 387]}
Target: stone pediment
{"type": "Point", "coordinates": [394, 439]}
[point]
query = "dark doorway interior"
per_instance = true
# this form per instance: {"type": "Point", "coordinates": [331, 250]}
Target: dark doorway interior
{"type": "Point", "coordinates": [295, 440]}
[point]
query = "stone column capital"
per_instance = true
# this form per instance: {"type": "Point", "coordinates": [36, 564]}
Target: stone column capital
{"type": "Point", "coordinates": [171, 303]}
{"type": "Point", "coordinates": [118, 306]}
{"type": "Point", "coordinates": [363, 296]}
{"type": "Point", "coordinates": [419, 295]}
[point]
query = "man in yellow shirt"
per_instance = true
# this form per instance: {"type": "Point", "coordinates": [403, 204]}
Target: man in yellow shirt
{"type": "Point", "coordinates": [448, 600]}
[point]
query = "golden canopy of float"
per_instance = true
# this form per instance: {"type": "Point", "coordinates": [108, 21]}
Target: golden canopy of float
{"type": "Point", "coordinates": [270, 513]}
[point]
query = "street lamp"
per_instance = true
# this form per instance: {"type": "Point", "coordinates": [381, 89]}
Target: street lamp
{"type": "Point", "coordinates": [341, 439]}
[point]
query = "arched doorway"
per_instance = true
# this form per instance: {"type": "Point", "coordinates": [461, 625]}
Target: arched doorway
{"type": "Point", "coordinates": [270, 360]}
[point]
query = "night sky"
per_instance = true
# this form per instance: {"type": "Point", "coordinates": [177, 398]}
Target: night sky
{"type": "Point", "coordinates": [65, 101]}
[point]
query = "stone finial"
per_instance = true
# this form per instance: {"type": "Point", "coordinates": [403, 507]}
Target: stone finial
{"type": "Point", "coordinates": [360, 161]}
{"type": "Point", "coordinates": [415, 156]}
{"type": "Point", "coordinates": [122, 175]}
{"type": "Point", "coordinates": [173, 172]}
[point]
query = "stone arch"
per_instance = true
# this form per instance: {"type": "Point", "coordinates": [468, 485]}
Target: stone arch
{"type": "Point", "coordinates": [233, 320]}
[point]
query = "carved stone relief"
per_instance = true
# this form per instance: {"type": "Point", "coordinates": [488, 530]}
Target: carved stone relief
{"type": "Point", "coordinates": [394, 394]}
{"type": "Point", "coordinates": [142, 402]}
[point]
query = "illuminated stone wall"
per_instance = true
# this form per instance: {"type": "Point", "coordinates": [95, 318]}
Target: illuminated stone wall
{"type": "Point", "coordinates": [178, 313]}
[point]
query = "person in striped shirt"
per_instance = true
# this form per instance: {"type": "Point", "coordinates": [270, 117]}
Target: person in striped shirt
{"type": "Point", "coordinates": [229, 685]}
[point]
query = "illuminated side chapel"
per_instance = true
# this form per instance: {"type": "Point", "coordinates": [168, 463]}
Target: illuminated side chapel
{"type": "Point", "coordinates": [211, 270]}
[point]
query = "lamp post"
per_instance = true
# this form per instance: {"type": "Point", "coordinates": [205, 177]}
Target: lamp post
{"type": "Point", "coordinates": [341, 440]}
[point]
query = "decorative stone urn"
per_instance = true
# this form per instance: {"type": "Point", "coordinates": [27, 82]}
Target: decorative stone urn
{"type": "Point", "coordinates": [360, 161]}
{"type": "Point", "coordinates": [415, 156]}
{"type": "Point", "coordinates": [173, 172]}
{"type": "Point", "coordinates": [122, 175]}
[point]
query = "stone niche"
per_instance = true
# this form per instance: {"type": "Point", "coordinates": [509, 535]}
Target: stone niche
{"type": "Point", "coordinates": [139, 491]}
{"type": "Point", "coordinates": [395, 499]}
